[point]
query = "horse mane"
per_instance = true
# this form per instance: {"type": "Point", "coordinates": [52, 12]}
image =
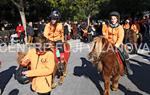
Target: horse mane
{"type": "Point", "coordinates": [97, 48]}
{"type": "Point", "coordinates": [20, 56]}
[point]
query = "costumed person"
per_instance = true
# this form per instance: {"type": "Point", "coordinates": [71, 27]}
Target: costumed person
{"type": "Point", "coordinates": [115, 35]}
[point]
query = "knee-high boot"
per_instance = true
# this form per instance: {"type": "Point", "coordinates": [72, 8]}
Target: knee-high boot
{"type": "Point", "coordinates": [125, 58]}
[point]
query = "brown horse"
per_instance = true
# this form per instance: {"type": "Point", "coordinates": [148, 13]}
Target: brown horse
{"type": "Point", "coordinates": [105, 59]}
{"type": "Point", "coordinates": [135, 40]}
{"type": "Point", "coordinates": [21, 55]}
{"type": "Point", "coordinates": [64, 61]}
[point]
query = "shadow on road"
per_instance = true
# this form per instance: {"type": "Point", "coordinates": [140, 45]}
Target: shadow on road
{"type": "Point", "coordinates": [127, 92]}
{"type": "Point", "coordinates": [90, 72]}
{"type": "Point", "coordinates": [5, 76]}
{"type": "Point", "coordinates": [14, 92]}
{"type": "Point", "coordinates": [141, 76]}
{"type": "Point", "coordinates": [144, 56]}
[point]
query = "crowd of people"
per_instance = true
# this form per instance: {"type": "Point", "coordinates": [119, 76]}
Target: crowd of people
{"type": "Point", "coordinates": [76, 30]}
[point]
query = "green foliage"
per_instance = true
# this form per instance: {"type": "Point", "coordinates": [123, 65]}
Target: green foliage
{"type": "Point", "coordinates": [76, 9]}
{"type": "Point", "coordinates": [73, 9]}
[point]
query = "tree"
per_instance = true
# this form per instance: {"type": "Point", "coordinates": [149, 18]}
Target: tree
{"type": "Point", "coordinates": [76, 9]}
{"type": "Point", "coordinates": [20, 5]}
{"type": "Point", "coordinates": [88, 8]}
{"type": "Point", "coordinates": [64, 6]}
{"type": "Point", "coordinates": [132, 7]}
{"type": "Point", "coordinates": [70, 9]}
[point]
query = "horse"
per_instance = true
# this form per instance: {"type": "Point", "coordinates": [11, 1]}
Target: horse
{"type": "Point", "coordinates": [21, 55]}
{"type": "Point", "coordinates": [135, 40]}
{"type": "Point", "coordinates": [61, 73]}
{"type": "Point", "coordinates": [107, 62]}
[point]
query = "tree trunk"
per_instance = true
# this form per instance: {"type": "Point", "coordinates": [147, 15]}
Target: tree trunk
{"type": "Point", "coordinates": [23, 20]}
{"type": "Point", "coordinates": [89, 16]}
{"type": "Point", "coordinates": [22, 14]}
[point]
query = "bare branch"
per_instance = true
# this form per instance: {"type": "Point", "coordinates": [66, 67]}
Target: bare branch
{"type": "Point", "coordinates": [18, 5]}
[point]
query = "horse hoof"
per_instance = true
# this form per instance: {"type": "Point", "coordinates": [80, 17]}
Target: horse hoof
{"type": "Point", "coordinates": [114, 89]}
{"type": "Point", "coordinates": [65, 74]}
{"type": "Point", "coordinates": [60, 83]}
{"type": "Point", "coordinates": [54, 85]}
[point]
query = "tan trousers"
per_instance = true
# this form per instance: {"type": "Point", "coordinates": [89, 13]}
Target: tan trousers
{"type": "Point", "coordinates": [30, 39]}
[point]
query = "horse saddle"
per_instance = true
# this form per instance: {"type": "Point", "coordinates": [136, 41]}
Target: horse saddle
{"type": "Point", "coordinates": [64, 55]}
{"type": "Point", "coordinates": [121, 61]}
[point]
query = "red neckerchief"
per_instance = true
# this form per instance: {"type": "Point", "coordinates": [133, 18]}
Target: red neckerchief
{"type": "Point", "coordinates": [40, 53]}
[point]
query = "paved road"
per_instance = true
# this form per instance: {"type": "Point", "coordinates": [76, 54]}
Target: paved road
{"type": "Point", "coordinates": [82, 78]}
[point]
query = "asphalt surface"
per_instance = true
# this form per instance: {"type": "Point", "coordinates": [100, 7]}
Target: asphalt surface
{"type": "Point", "coordinates": [82, 77]}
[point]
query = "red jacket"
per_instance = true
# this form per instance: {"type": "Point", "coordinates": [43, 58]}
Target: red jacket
{"type": "Point", "coordinates": [19, 29]}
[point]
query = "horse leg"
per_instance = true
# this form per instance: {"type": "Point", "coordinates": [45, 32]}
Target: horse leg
{"type": "Point", "coordinates": [61, 81]}
{"type": "Point", "coordinates": [115, 82]}
{"type": "Point", "coordinates": [100, 67]}
{"type": "Point", "coordinates": [106, 78]}
{"type": "Point", "coordinates": [65, 70]}
{"type": "Point", "coordinates": [62, 77]}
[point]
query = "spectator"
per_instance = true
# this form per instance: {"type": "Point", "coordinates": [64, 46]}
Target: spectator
{"type": "Point", "coordinates": [5, 36]}
{"type": "Point", "coordinates": [74, 30]}
{"type": "Point", "coordinates": [66, 31]}
{"type": "Point", "coordinates": [30, 33]}
{"type": "Point", "coordinates": [21, 33]}
{"type": "Point", "coordinates": [41, 27]}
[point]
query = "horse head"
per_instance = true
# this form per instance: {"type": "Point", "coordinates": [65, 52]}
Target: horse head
{"type": "Point", "coordinates": [97, 48]}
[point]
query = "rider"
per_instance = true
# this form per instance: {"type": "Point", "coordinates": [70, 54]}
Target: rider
{"type": "Point", "coordinates": [115, 35]}
{"type": "Point", "coordinates": [54, 31]}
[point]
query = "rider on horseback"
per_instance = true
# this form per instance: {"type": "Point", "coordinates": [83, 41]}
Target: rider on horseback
{"type": "Point", "coordinates": [115, 35]}
{"type": "Point", "coordinates": [54, 32]}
